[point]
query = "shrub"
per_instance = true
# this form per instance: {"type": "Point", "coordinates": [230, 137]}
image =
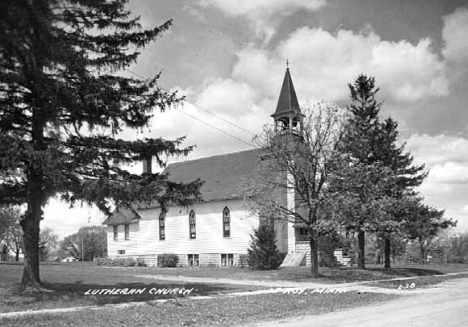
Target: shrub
{"type": "Point", "coordinates": [141, 263]}
{"type": "Point", "coordinates": [120, 262]}
{"type": "Point", "coordinates": [168, 260]}
{"type": "Point", "coordinates": [243, 260]}
{"type": "Point", "coordinates": [129, 262]}
{"type": "Point", "coordinates": [103, 261]}
{"type": "Point", "coordinates": [263, 253]}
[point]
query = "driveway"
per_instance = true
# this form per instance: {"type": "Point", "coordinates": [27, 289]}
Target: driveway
{"type": "Point", "coordinates": [446, 305]}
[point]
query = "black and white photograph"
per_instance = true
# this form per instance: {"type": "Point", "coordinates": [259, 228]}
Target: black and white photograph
{"type": "Point", "coordinates": [233, 163]}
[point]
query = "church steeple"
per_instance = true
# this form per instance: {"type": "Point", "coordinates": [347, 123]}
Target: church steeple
{"type": "Point", "coordinates": [288, 116]}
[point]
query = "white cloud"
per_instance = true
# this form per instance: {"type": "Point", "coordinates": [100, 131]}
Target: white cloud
{"type": "Point", "coordinates": [404, 72]}
{"type": "Point", "coordinates": [64, 220]}
{"type": "Point", "coordinates": [255, 68]}
{"type": "Point", "coordinates": [266, 7]}
{"type": "Point", "coordinates": [322, 64]}
{"type": "Point", "coordinates": [446, 157]}
{"type": "Point", "coordinates": [449, 173]}
{"type": "Point", "coordinates": [455, 35]}
{"type": "Point", "coordinates": [227, 96]}
{"type": "Point", "coordinates": [264, 15]}
{"type": "Point", "coordinates": [438, 149]}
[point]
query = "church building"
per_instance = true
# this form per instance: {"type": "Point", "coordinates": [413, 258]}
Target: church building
{"type": "Point", "coordinates": [216, 231]}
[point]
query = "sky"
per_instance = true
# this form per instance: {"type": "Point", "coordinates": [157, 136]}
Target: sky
{"type": "Point", "coordinates": [228, 58]}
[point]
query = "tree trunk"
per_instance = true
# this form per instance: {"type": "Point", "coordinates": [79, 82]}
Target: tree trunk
{"type": "Point", "coordinates": [30, 225]}
{"type": "Point", "coordinates": [361, 260]}
{"type": "Point", "coordinates": [314, 257]}
{"type": "Point", "coordinates": [423, 251]}
{"type": "Point", "coordinates": [17, 255]}
{"type": "Point", "coordinates": [379, 259]}
{"type": "Point", "coordinates": [31, 251]}
{"type": "Point", "coordinates": [388, 250]}
{"type": "Point", "coordinates": [423, 255]}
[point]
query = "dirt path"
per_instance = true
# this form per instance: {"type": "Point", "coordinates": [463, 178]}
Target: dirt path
{"type": "Point", "coordinates": [446, 305]}
{"type": "Point", "coordinates": [365, 286]}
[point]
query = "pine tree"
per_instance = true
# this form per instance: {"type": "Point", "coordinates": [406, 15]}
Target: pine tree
{"type": "Point", "coordinates": [424, 225]}
{"type": "Point", "coordinates": [263, 253]}
{"type": "Point", "coordinates": [372, 143]}
{"type": "Point", "coordinates": [359, 143]}
{"type": "Point", "coordinates": [62, 106]}
{"type": "Point", "coordinates": [407, 177]}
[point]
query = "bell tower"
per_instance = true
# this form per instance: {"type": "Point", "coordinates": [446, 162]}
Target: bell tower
{"type": "Point", "coordinates": [288, 117]}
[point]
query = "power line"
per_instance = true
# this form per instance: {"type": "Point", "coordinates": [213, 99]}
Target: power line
{"type": "Point", "coordinates": [201, 108]}
{"type": "Point", "coordinates": [206, 110]}
{"type": "Point", "coordinates": [219, 117]}
{"type": "Point", "coordinates": [208, 124]}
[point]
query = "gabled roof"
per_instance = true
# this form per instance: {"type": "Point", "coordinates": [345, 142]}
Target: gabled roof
{"type": "Point", "coordinates": [221, 174]}
{"type": "Point", "coordinates": [287, 102]}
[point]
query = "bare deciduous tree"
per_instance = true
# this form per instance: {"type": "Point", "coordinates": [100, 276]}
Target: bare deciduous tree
{"type": "Point", "coordinates": [291, 182]}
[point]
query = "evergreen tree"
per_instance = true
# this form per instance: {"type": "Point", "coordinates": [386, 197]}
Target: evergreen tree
{"type": "Point", "coordinates": [371, 142]}
{"type": "Point", "coordinates": [424, 225]}
{"type": "Point", "coordinates": [263, 253]}
{"type": "Point", "coordinates": [359, 143]}
{"type": "Point", "coordinates": [62, 106]}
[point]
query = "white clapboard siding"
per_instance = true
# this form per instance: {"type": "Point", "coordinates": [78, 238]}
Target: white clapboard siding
{"type": "Point", "coordinates": [209, 227]}
{"type": "Point", "coordinates": [291, 203]}
{"type": "Point", "coordinates": [129, 246]}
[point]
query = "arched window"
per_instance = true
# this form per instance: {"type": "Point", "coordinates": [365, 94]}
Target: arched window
{"type": "Point", "coordinates": [162, 226]}
{"type": "Point", "coordinates": [192, 225]}
{"type": "Point", "coordinates": [226, 222]}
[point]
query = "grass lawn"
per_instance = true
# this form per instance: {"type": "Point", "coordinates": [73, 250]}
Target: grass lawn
{"type": "Point", "coordinates": [302, 274]}
{"type": "Point", "coordinates": [70, 281]}
{"type": "Point", "coordinates": [205, 312]}
{"type": "Point", "coordinates": [415, 283]}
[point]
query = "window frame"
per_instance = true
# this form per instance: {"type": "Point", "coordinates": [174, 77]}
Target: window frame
{"type": "Point", "coordinates": [193, 259]}
{"type": "Point", "coordinates": [227, 259]}
{"type": "Point", "coordinates": [126, 232]}
{"type": "Point", "coordinates": [192, 225]}
{"type": "Point", "coordinates": [162, 226]}
{"type": "Point", "coordinates": [116, 232]}
{"type": "Point", "coordinates": [226, 222]}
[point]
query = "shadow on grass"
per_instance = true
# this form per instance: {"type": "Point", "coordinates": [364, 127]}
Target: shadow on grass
{"type": "Point", "coordinates": [64, 295]}
{"type": "Point", "coordinates": [143, 292]}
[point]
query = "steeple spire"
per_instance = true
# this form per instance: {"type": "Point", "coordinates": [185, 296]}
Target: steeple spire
{"type": "Point", "coordinates": [288, 114]}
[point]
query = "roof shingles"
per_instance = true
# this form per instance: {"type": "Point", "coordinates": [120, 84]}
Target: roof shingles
{"type": "Point", "coordinates": [221, 174]}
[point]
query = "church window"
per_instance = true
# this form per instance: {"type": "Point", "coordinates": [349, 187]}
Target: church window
{"type": "Point", "coordinates": [116, 232]}
{"type": "Point", "coordinates": [127, 232]}
{"type": "Point", "coordinates": [227, 259]}
{"type": "Point", "coordinates": [302, 234]}
{"type": "Point", "coordinates": [162, 226]}
{"type": "Point", "coordinates": [226, 222]}
{"type": "Point", "coordinates": [192, 225]}
{"type": "Point", "coordinates": [193, 260]}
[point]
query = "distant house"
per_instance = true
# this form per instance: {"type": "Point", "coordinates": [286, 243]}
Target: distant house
{"type": "Point", "coordinates": [216, 231]}
{"type": "Point", "coordinates": [69, 259]}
